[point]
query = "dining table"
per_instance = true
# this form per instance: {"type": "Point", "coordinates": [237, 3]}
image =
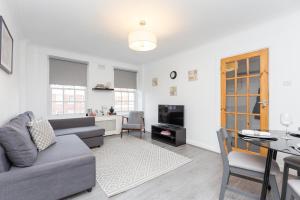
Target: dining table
{"type": "Point", "coordinates": [275, 143]}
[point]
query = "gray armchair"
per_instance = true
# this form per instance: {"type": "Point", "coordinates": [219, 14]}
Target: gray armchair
{"type": "Point", "coordinates": [135, 122]}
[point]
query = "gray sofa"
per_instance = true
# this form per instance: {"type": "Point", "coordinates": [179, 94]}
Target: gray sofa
{"type": "Point", "coordinates": [84, 128]}
{"type": "Point", "coordinates": [63, 169]}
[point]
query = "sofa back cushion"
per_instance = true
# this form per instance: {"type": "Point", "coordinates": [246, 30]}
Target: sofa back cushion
{"type": "Point", "coordinates": [4, 163]}
{"type": "Point", "coordinates": [16, 141]}
{"type": "Point", "coordinates": [72, 122]}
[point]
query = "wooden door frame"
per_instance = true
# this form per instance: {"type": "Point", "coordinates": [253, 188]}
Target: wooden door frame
{"type": "Point", "coordinates": [264, 93]}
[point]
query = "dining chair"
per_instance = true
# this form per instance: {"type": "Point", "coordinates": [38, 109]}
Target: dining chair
{"type": "Point", "coordinates": [293, 190]}
{"type": "Point", "coordinates": [135, 122]}
{"type": "Point", "coordinates": [290, 162]}
{"type": "Point", "coordinates": [246, 166]}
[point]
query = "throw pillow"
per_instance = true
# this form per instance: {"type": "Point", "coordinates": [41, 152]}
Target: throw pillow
{"type": "Point", "coordinates": [16, 141]}
{"type": "Point", "coordinates": [42, 133]}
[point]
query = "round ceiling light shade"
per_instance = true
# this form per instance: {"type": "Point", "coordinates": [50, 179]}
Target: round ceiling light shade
{"type": "Point", "coordinates": [142, 40]}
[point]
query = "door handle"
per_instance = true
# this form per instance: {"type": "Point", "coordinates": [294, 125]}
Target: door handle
{"type": "Point", "coordinates": [263, 102]}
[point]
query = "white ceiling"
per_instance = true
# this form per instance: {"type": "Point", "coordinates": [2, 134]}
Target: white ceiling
{"type": "Point", "coordinates": [100, 27]}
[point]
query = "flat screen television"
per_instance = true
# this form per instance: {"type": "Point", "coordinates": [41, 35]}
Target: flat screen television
{"type": "Point", "coordinates": [171, 114]}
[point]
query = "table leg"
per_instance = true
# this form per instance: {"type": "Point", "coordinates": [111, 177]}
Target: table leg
{"type": "Point", "coordinates": [275, 155]}
{"type": "Point", "coordinates": [265, 185]}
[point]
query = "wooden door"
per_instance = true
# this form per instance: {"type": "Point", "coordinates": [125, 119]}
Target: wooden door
{"type": "Point", "coordinates": [245, 96]}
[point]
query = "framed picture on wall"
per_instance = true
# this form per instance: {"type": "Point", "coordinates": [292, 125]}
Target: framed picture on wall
{"type": "Point", "coordinates": [6, 48]}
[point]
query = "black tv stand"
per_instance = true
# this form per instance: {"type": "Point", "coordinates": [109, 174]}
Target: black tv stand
{"type": "Point", "coordinates": [176, 138]}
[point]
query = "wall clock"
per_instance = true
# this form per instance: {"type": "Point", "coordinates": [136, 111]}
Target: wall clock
{"type": "Point", "coordinates": [173, 74]}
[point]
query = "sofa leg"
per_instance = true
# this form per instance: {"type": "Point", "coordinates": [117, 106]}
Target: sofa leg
{"type": "Point", "coordinates": [89, 190]}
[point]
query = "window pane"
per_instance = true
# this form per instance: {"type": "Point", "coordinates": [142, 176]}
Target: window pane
{"type": "Point", "coordinates": [242, 122]}
{"type": "Point", "coordinates": [131, 108]}
{"type": "Point", "coordinates": [255, 122]}
{"type": "Point", "coordinates": [230, 121]}
{"type": "Point", "coordinates": [254, 85]}
{"type": "Point", "coordinates": [124, 96]}
{"type": "Point", "coordinates": [230, 70]}
{"type": "Point", "coordinates": [242, 68]}
{"type": "Point", "coordinates": [80, 107]}
{"type": "Point", "coordinates": [241, 86]}
{"type": "Point", "coordinates": [242, 104]}
{"type": "Point", "coordinates": [230, 86]}
{"type": "Point", "coordinates": [254, 63]}
{"type": "Point", "coordinates": [69, 108]}
{"type": "Point", "coordinates": [254, 105]}
{"type": "Point", "coordinates": [125, 107]}
{"type": "Point", "coordinates": [57, 95]}
{"type": "Point", "coordinates": [79, 95]}
{"type": "Point", "coordinates": [118, 108]}
{"type": "Point", "coordinates": [57, 108]}
{"type": "Point", "coordinates": [69, 95]}
{"type": "Point", "coordinates": [131, 97]}
{"type": "Point", "coordinates": [124, 99]}
{"type": "Point", "coordinates": [230, 104]}
{"type": "Point", "coordinates": [118, 96]}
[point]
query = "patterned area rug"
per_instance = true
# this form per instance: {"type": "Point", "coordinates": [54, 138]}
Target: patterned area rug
{"type": "Point", "coordinates": [122, 164]}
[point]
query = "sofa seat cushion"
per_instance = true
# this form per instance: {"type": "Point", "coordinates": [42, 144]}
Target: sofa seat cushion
{"type": "Point", "coordinates": [16, 141]}
{"type": "Point", "coordinates": [68, 152]}
{"type": "Point", "coordinates": [63, 169]}
{"type": "Point", "coordinates": [82, 132]}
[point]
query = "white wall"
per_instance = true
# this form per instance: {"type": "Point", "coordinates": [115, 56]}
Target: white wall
{"type": "Point", "coordinates": [202, 98]}
{"type": "Point", "coordinates": [10, 85]}
{"type": "Point", "coordinates": [37, 78]}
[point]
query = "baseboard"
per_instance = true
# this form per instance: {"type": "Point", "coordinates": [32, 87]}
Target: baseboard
{"type": "Point", "coordinates": [203, 146]}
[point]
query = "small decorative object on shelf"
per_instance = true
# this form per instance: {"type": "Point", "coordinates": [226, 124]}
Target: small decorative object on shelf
{"type": "Point", "coordinates": [103, 87]}
{"type": "Point", "coordinates": [167, 133]}
{"type": "Point", "coordinates": [111, 111]}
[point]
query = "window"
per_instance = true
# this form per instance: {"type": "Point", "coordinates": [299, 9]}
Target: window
{"type": "Point", "coordinates": [125, 100]}
{"type": "Point", "coordinates": [125, 83]}
{"type": "Point", "coordinates": [67, 99]}
{"type": "Point", "coordinates": [68, 83]}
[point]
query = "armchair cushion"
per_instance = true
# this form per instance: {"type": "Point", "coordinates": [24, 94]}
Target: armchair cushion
{"type": "Point", "coordinates": [132, 126]}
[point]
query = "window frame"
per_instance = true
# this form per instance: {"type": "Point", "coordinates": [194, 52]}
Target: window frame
{"type": "Point", "coordinates": [63, 88]}
{"type": "Point", "coordinates": [125, 90]}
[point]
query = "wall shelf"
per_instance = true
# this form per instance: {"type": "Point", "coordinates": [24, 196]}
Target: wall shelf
{"type": "Point", "coordinates": [103, 89]}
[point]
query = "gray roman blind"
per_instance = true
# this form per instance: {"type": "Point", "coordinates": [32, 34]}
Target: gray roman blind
{"type": "Point", "coordinates": [124, 79]}
{"type": "Point", "coordinates": [65, 72]}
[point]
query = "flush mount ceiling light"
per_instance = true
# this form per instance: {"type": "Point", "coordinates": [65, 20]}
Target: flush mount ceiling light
{"type": "Point", "coordinates": [142, 40]}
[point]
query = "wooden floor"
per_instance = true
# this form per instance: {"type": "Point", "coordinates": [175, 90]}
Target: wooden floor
{"type": "Point", "coordinates": [199, 180]}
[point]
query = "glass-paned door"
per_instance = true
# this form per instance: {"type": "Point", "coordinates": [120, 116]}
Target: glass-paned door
{"type": "Point", "coordinates": [245, 96]}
